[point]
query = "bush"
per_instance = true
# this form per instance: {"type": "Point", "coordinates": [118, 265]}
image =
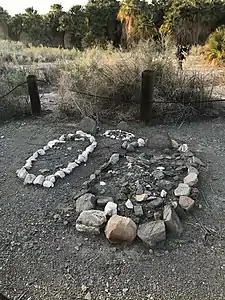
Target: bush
{"type": "Point", "coordinates": [116, 77]}
{"type": "Point", "coordinates": [215, 46]}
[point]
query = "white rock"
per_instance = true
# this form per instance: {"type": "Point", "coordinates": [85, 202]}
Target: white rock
{"type": "Point", "coordinates": [39, 180]}
{"type": "Point", "coordinates": [141, 143]}
{"type": "Point", "coordinates": [191, 179]}
{"type": "Point", "coordinates": [70, 136]}
{"type": "Point", "coordinates": [28, 165]}
{"type": "Point", "coordinates": [62, 138]}
{"type": "Point", "coordinates": [193, 170]}
{"type": "Point", "coordinates": [48, 184]}
{"type": "Point", "coordinates": [72, 165]}
{"type": "Point", "coordinates": [41, 152]}
{"type": "Point", "coordinates": [175, 144]}
{"type": "Point", "coordinates": [183, 148]}
{"type": "Point", "coordinates": [67, 170]}
{"type": "Point", "coordinates": [92, 139]}
{"type": "Point", "coordinates": [52, 143]}
{"type": "Point", "coordinates": [102, 183]}
{"type": "Point", "coordinates": [31, 159]}
{"type": "Point", "coordinates": [183, 189]}
{"type": "Point", "coordinates": [46, 148]}
{"type": "Point", "coordinates": [69, 148]}
{"type": "Point", "coordinates": [163, 193]}
{"type": "Point", "coordinates": [50, 178]}
{"type": "Point", "coordinates": [110, 209]}
{"type": "Point", "coordinates": [35, 155]}
{"type": "Point", "coordinates": [60, 174]}
{"type": "Point", "coordinates": [21, 173]}
{"type": "Point", "coordinates": [129, 204]}
{"type": "Point", "coordinates": [114, 158]}
{"type": "Point", "coordinates": [29, 179]}
{"type": "Point", "coordinates": [160, 168]}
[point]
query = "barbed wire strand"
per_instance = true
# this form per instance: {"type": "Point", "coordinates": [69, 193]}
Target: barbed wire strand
{"type": "Point", "coordinates": [12, 90]}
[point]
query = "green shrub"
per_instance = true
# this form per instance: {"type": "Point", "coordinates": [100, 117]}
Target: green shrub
{"type": "Point", "coordinates": [215, 47]}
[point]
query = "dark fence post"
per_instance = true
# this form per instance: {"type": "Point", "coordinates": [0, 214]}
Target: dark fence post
{"type": "Point", "coordinates": [34, 95]}
{"type": "Point", "coordinates": [147, 89]}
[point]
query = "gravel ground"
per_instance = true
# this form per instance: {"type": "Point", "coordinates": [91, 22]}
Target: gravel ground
{"type": "Point", "coordinates": [43, 257]}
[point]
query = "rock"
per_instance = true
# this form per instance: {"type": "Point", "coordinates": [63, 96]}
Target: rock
{"type": "Point", "coordinates": [172, 221]}
{"type": "Point", "coordinates": [121, 196]}
{"type": "Point", "coordinates": [104, 166]}
{"type": "Point", "coordinates": [48, 184]}
{"type": "Point", "coordinates": [124, 145]}
{"type": "Point", "coordinates": [39, 180]}
{"type": "Point", "coordinates": [110, 209]}
{"type": "Point", "coordinates": [157, 202]}
{"type": "Point", "coordinates": [92, 177]}
{"type": "Point", "coordinates": [91, 221]}
{"type": "Point", "coordinates": [102, 201]}
{"type": "Point", "coordinates": [119, 229]}
{"type": "Point", "coordinates": [114, 158]}
{"type": "Point", "coordinates": [21, 173]}
{"type": "Point", "coordinates": [29, 179]}
{"type": "Point", "coordinates": [87, 296]}
{"type": "Point", "coordinates": [191, 179]}
{"type": "Point", "coordinates": [152, 233]}
{"type": "Point", "coordinates": [178, 209]}
{"type": "Point", "coordinates": [196, 161]}
{"type": "Point", "coordinates": [134, 144]}
{"type": "Point", "coordinates": [59, 174]}
{"type": "Point", "coordinates": [123, 126]}
{"type": "Point", "coordinates": [129, 204]}
{"type": "Point", "coordinates": [130, 148]}
{"type": "Point", "coordinates": [138, 211]}
{"type": "Point", "coordinates": [141, 143]}
{"type": "Point", "coordinates": [88, 125]}
{"type": "Point", "coordinates": [85, 202]}
{"type": "Point", "coordinates": [183, 189]}
{"type": "Point", "coordinates": [158, 174]}
{"type": "Point", "coordinates": [157, 215]}
{"type": "Point", "coordinates": [193, 170]}
{"type": "Point", "coordinates": [183, 148]}
{"type": "Point", "coordinates": [159, 141]}
{"type": "Point", "coordinates": [165, 184]}
{"type": "Point", "coordinates": [141, 197]}
{"type": "Point", "coordinates": [163, 194]}
{"type": "Point", "coordinates": [175, 144]}
{"type": "Point", "coordinates": [50, 178]}
{"type": "Point", "coordinates": [186, 203]}
{"type": "Point", "coordinates": [41, 152]}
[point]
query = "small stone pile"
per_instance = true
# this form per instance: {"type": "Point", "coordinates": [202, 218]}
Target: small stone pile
{"type": "Point", "coordinates": [140, 192]}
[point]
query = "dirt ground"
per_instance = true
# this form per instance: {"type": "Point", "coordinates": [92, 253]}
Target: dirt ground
{"type": "Point", "coordinates": [43, 257]}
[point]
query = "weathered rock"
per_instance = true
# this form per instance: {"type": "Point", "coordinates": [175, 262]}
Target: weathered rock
{"type": "Point", "coordinates": [175, 144]}
{"type": "Point", "coordinates": [48, 184]}
{"type": "Point", "coordinates": [85, 202]}
{"type": "Point", "coordinates": [119, 229]}
{"type": "Point", "coordinates": [29, 179]}
{"type": "Point", "coordinates": [22, 173]}
{"type": "Point", "coordinates": [157, 202]}
{"type": "Point", "coordinates": [121, 196]}
{"type": "Point", "coordinates": [39, 180]}
{"type": "Point", "coordinates": [141, 197]}
{"type": "Point", "coordinates": [134, 144]}
{"type": "Point", "coordinates": [110, 209]}
{"type": "Point", "coordinates": [163, 193]}
{"type": "Point", "coordinates": [123, 126]}
{"type": "Point", "coordinates": [138, 211]}
{"type": "Point", "coordinates": [158, 174]}
{"type": "Point", "coordinates": [88, 125]}
{"type": "Point", "coordinates": [172, 221]}
{"type": "Point", "coordinates": [196, 161]}
{"type": "Point", "coordinates": [157, 215]}
{"type": "Point", "coordinates": [165, 184]}
{"type": "Point", "coordinates": [186, 203]}
{"type": "Point", "coordinates": [130, 148]}
{"type": "Point", "coordinates": [193, 170]}
{"type": "Point", "coordinates": [159, 141]}
{"type": "Point", "coordinates": [91, 221]}
{"type": "Point", "coordinates": [125, 144]}
{"type": "Point", "coordinates": [152, 233]}
{"type": "Point", "coordinates": [191, 179]}
{"type": "Point", "coordinates": [141, 143]}
{"type": "Point", "coordinates": [102, 201]}
{"type": "Point", "coordinates": [183, 189]}
{"type": "Point", "coordinates": [129, 204]}
{"type": "Point", "coordinates": [183, 148]}
{"type": "Point", "coordinates": [114, 158]}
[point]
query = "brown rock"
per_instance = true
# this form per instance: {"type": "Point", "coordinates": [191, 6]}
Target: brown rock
{"type": "Point", "coordinates": [141, 197]}
{"type": "Point", "coordinates": [186, 202]}
{"type": "Point", "coordinates": [119, 229]}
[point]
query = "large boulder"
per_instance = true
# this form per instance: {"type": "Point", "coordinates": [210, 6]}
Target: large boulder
{"type": "Point", "coordinates": [91, 221]}
{"type": "Point", "coordinates": [120, 229]}
{"type": "Point", "coordinates": [88, 125]}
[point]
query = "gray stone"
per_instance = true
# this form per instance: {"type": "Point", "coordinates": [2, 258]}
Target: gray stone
{"type": "Point", "coordinates": [158, 174]}
{"type": "Point", "coordinates": [183, 189]}
{"type": "Point", "coordinates": [130, 148]}
{"type": "Point", "coordinates": [134, 144]}
{"type": "Point", "coordinates": [157, 202]}
{"type": "Point", "coordinates": [88, 125]}
{"type": "Point", "coordinates": [121, 196]}
{"type": "Point", "coordinates": [196, 161]}
{"type": "Point", "coordinates": [159, 141]}
{"type": "Point", "coordinates": [114, 158]}
{"type": "Point", "coordinates": [102, 201]}
{"type": "Point", "coordinates": [85, 202]}
{"type": "Point", "coordinates": [138, 211]}
{"type": "Point", "coordinates": [191, 179]}
{"type": "Point", "coordinates": [29, 179]}
{"type": "Point", "coordinates": [124, 145]}
{"type": "Point", "coordinates": [157, 215]}
{"type": "Point", "coordinates": [123, 126]}
{"type": "Point", "coordinates": [186, 203]}
{"type": "Point", "coordinates": [165, 184]}
{"type": "Point", "coordinates": [152, 233]}
{"type": "Point", "coordinates": [193, 170]}
{"type": "Point", "coordinates": [91, 221]}
{"type": "Point", "coordinates": [172, 221]}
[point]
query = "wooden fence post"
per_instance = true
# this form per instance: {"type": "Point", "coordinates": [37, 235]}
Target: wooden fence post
{"type": "Point", "coordinates": [147, 89]}
{"type": "Point", "coordinates": [34, 95]}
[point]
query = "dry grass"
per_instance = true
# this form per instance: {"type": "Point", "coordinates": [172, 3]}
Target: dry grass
{"type": "Point", "coordinates": [116, 75]}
